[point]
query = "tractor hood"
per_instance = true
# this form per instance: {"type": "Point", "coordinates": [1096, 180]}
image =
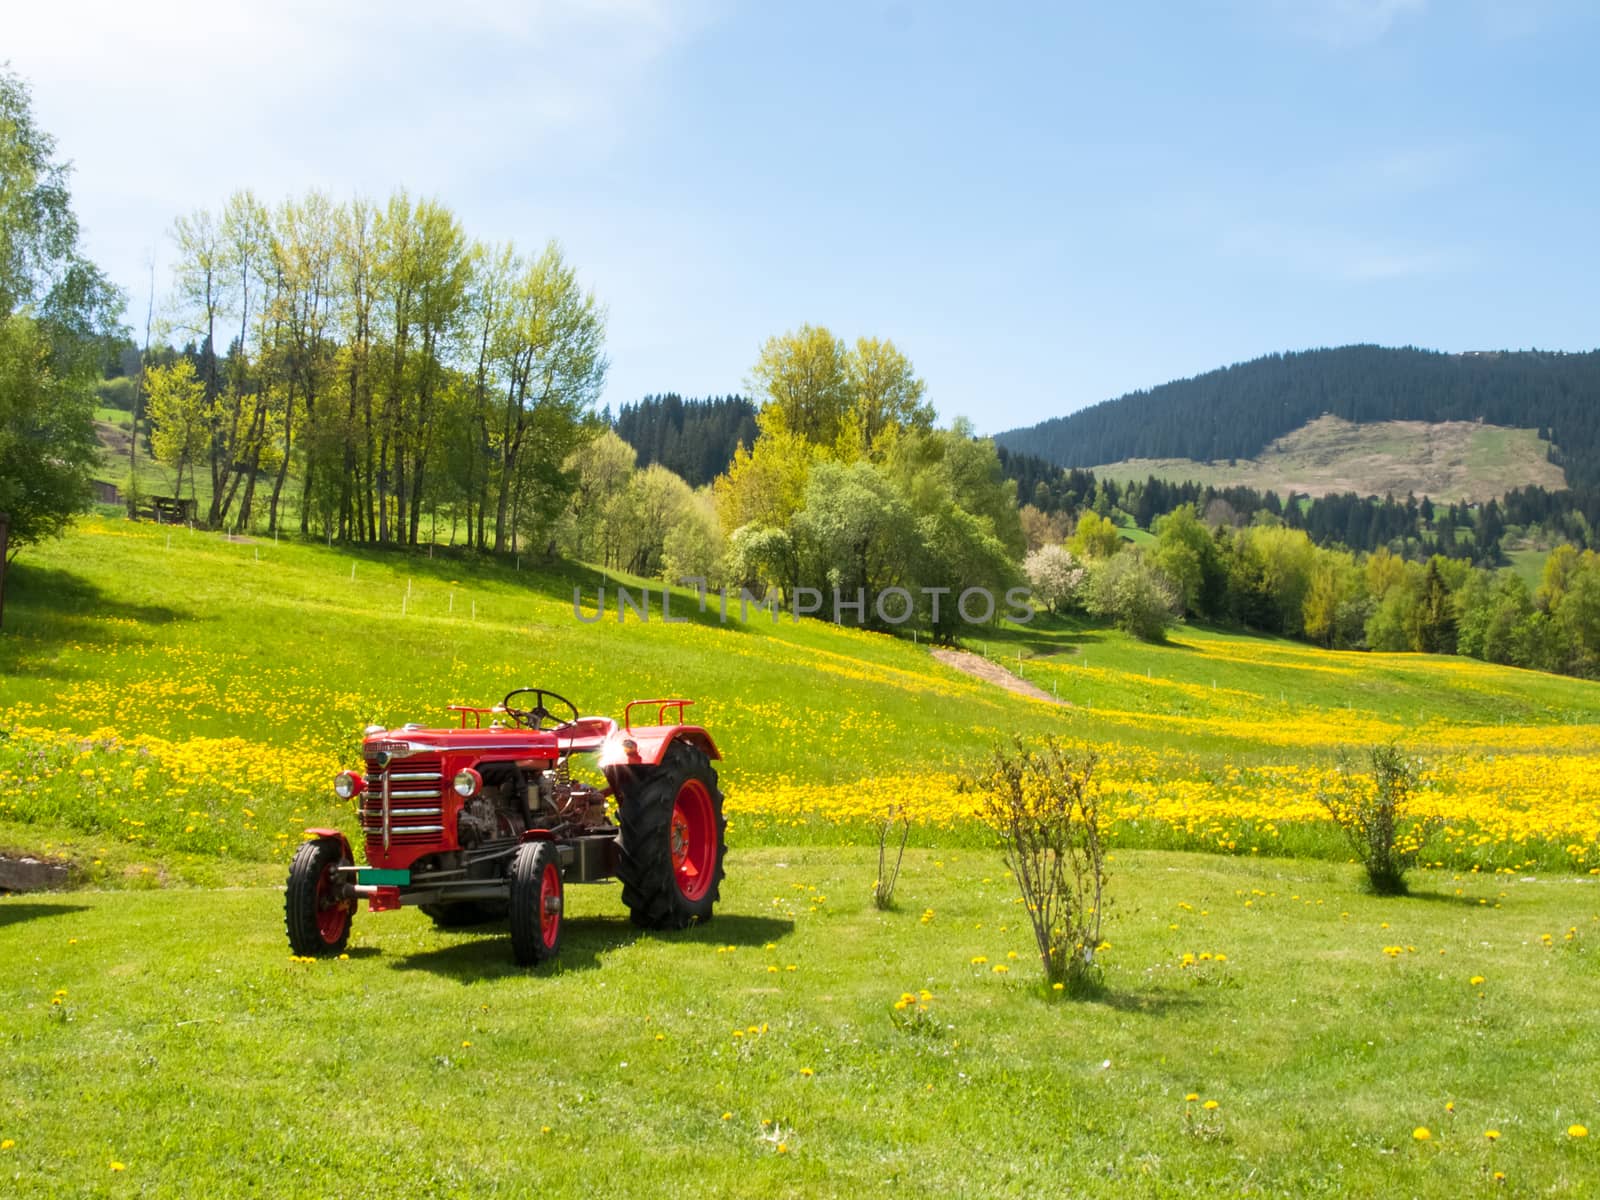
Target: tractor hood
{"type": "Point", "coordinates": [390, 745]}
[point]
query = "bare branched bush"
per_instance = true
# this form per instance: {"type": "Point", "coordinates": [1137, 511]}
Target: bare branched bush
{"type": "Point", "coordinates": [1372, 810]}
{"type": "Point", "coordinates": [889, 875]}
{"type": "Point", "coordinates": [1043, 804]}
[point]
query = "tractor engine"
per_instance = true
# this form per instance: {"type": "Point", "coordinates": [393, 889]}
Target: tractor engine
{"type": "Point", "coordinates": [566, 801]}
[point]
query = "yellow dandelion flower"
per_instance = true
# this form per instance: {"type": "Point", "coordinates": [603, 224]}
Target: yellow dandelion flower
{"type": "Point", "coordinates": [1476, 981]}
{"type": "Point", "coordinates": [1492, 1134]}
{"type": "Point", "coordinates": [1209, 1105]}
{"type": "Point", "coordinates": [1000, 968]}
{"type": "Point", "coordinates": [1421, 1133]}
{"type": "Point", "coordinates": [807, 1072]}
{"type": "Point", "coordinates": [727, 1116]}
{"type": "Point", "coordinates": [116, 1166]}
{"type": "Point", "coordinates": [979, 959]}
{"type": "Point", "coordinates": [7, 1144]}
{"type": "Point", "coordinates": [1577, 1131]}
{"type": "Point", "coordinates": [1192, 1097]}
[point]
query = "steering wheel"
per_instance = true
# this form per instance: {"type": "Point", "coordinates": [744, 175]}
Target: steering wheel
{"type": "Point", "coordinates": [535, 717]}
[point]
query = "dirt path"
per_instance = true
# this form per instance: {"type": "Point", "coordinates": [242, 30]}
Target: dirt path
{"type": "Point", "coordinates": [981, 668]}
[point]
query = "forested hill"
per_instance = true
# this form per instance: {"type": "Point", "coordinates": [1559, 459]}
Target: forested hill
{"type": "Point", "coordinates": [1236, 411]}
{"type": "Point", "coordinates": [694, 438]}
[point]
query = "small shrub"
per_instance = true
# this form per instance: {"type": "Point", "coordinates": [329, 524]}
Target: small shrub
{"type": "Point", "coordinates": [1043, 805]}
{"type": "Point", "coordinates": [1372, 811]}
{"type": "Point", "coordinates": [888, 876]}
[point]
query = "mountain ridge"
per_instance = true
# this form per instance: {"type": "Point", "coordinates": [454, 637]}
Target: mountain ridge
{"type": "Point", "coordinates": [1238, 411]}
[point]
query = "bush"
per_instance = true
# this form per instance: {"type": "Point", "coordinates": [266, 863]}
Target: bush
{"type": "Point", "coordinates": [889, 875]}
{"type": "Point", "coordinates": [1044, 807]}
{"type": "Point", "coordinates": [1134, 594]}
{"type": "Point", "coordinates": [1371, 809]}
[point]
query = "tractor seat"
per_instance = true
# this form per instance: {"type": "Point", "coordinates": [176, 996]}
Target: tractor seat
{"type": "Point", "coordinates": [585, 734]}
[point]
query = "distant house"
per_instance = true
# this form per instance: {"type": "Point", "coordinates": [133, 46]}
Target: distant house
{"type": "Point", "coordinates": [106, 493]}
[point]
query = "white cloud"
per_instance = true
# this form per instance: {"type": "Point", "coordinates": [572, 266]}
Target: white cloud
{"type": "Point", "coordinates": [167, 106]}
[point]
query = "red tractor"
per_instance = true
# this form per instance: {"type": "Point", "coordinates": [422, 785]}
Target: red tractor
{"type": "Point", "coordinates": [479, 822]}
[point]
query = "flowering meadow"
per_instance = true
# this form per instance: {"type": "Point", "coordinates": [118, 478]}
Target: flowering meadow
{"type": "Point", "coordinates": [176, 696]}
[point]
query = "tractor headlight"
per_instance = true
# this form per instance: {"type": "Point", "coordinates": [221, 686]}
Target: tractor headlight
{"type": "Point", "coordinates": [347, 785]}
{"type": "Point", "coordinates": [467, 783]}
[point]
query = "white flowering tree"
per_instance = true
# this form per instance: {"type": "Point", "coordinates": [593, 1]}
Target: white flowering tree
{"type": "Point", "coordinates": [1054, 575]}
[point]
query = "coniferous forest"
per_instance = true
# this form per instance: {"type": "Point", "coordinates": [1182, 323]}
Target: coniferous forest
{"type": "Point", "coordinates": [1235, 412]}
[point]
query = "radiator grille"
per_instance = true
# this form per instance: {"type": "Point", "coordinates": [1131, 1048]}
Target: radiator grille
{"type": "Point", "coordinates": [416, 802]}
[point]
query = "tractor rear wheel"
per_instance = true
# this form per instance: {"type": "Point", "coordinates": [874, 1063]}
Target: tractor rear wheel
{"type": "Point", "coordinates": [317, 904]}
{"type": "Point", "coordinates": [673, 838]}
{"type": "Point", "coordinates": [537, 899]}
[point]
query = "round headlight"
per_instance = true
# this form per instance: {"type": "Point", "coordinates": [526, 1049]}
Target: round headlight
{"type": "Point", "coordinates": [347, 785]}
{"type": "Point", "coordinates": [467, 783]}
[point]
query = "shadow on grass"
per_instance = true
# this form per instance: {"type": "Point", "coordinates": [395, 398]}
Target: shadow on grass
{"type": "Point", "coordinates": [1436, 897]}
{"type": "Point", "coordinates": [485, 951]}
{"type": "Point", "coordinates": [46, 607]}
{"type": "Point", "coordinates": [1150, 1004]}
{"type": "Point", "coordinates": [16, 912]}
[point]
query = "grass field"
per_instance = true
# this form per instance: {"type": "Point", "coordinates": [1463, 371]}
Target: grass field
{"type": "Point", "coordinates": [176, 700]}
{"type": "Point", "coordinates": [173, 705]}
{"type": "Point", "coordinates": [1451, 460]}
{"type": "Point", "coordinates": [169, 1033]}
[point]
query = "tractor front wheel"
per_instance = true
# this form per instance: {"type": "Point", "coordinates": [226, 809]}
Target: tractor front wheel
{"type": "Point", "coordinates": [537, 898]}
{"type": "Point", "coordinates": [672, 839]}
{"type": "Point", "coordinates": [317, 905]}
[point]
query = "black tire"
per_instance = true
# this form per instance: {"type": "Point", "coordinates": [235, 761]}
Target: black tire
{"type": "Point", "coordinates": [536, 924]}
{"type": "Point", "coordinates": [315, 900]}
{"type": "Point", "coordinates": [658, 893]}
{"type": "Point", "coordinates": [461, 915]}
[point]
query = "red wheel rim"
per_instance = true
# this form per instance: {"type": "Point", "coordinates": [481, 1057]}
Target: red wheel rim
{"type": "Point", "coordinates": [333, 910]}
{"type": "Point", "coordinates": [550, 906]}
{"type": "Point", "coordinates": [694, 840]}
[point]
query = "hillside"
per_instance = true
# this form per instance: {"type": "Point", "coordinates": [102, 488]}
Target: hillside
{"type": "Point", "coordinates": [1450, 460]}
{"type": "Point", "coordinates": [240, 672]}
{"type": "Point", "coordinates": [1238, 411]}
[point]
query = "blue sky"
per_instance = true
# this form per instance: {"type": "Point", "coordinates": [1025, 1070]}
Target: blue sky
{"type": "Point", "coordinates": [1045, 206]}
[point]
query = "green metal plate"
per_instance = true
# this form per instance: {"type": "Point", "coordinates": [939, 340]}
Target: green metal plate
{"type": "Point", "coordinates": [383, 878]}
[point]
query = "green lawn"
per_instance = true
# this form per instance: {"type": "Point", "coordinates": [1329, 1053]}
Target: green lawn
{"type": "Point", "coordinates": [189, 1048]}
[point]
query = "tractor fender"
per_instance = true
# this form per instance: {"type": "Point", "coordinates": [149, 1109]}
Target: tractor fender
{"type": "Point", "coordinates": [649, 745]}
{"type": "Point", "coordinates": [344, 842]}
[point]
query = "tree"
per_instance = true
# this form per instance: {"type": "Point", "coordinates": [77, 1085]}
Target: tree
{"type": "Point", "coordinates": [1133, 593]}
{"type": "Point", "coordinates": [180, 428]}
{"type": "Point", "coordinates": [804, 381]}
{"type": "Point", "coordinates": [856, 532]}
{"type": "Point", "coordinates": [1187, 556]}
{"type": "Point", "coordinates": [887, 393]}
{"type": "Point", "coordinates": [57, 313]}
{"type": "Point", "coordinates": [601, 471]}
{"type": "Point", "coordinates": [551, 363]}
{"type": "Point", "coordinates": [1054, 575]}
{"type": "Point", "coordinates": [1095, 537]}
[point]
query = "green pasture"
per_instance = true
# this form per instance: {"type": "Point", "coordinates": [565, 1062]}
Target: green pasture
{"type": "Point", "coordinates": [757, 1055]}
